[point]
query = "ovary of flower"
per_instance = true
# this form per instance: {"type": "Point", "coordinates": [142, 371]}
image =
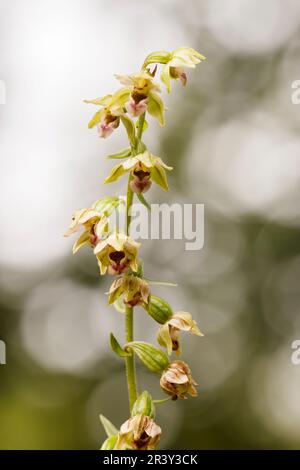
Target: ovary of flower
{"type": "Point", "coordinates": [94, 226]}
{"type": "Point", "coordinates": [168, 334]}
{"type": "Point", "coordinates": [116, 254]}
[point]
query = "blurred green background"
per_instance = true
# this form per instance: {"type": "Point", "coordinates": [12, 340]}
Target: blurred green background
{"type": "Point", "coordinates": [232, 136]}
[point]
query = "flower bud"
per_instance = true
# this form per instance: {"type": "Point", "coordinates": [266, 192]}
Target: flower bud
{"type": "Point", "coordinates": [177, 381]}
{"type": "Point", "coordinates": [144, 405]}
{"type": "Point", "coordinates": [159, 309]}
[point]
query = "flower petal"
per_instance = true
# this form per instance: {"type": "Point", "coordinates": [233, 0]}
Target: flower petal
{"type": "Point", "coordinates": [84, 239]}
{"type": "Point", "coordinates": [164, 338]}
{"type": "Point", "coordinates": [116, 173]}
{"type": "Point", "coordinates": [158, 175]}
{"type": "Point", "coordinates": [165, 77]}
{"type": "Point", "coordinates": [156, 107]}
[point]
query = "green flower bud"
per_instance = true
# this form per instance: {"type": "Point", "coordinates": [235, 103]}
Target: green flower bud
{"type": "Point", "coordinates": [159, 309]}
{"type": "Point", "coordinates": [144, 405]}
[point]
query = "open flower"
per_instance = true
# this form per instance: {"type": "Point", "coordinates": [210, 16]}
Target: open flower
{"type": "Point", "coordinates": [117, 253]}
{"type": "Point", "coordinates": [138, 433]}
{"type": "Point", "coordinates": [177, 381]}
{"type": "Point", "coordinates": [94, 226]}
{"type": "Point", "coordinates": [107, 118]}
{"type": "Point", "coordinates": [143, 96]}
{"type": "Point", "coordinates": [144, 169]}
{"type": "Point", "coordinates": [141, 83]}
{"type": "Point", "coordinates": [168, 334]}
{"type": "Point", "coordinates": [184, 57]}
{"type": "Point", "coordinates": [136, 291]}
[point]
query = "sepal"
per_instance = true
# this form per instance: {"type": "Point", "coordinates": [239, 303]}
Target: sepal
{"type": "Point", "coordinates": [156, 107]}
{"type": "Point", "coordinates": [157, 57]}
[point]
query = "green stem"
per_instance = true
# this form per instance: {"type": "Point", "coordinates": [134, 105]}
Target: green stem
{"type": "Point", "coordinates": [129, 330]}
{"type": "Point", "coordinates": [129, 201]}
{"type": "Point", "coordinates": [130, 364]}
{"type": "Point", "coordinates": [141, 126]}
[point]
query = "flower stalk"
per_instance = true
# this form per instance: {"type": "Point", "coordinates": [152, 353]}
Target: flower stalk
{"type": "Point", "coordinates": [117, 253]}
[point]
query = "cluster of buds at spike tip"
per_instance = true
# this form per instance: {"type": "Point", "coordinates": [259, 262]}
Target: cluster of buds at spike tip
{"type": "Point", "coordinates": [144, 168]}
{"type": "Point", "coordinates": [93, 224]}
{"type": "Point", "coordinates": [177, 381]}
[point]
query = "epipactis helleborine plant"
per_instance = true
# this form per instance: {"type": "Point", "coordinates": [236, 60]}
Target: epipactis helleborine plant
{"type": "Point", "coordinates": [117, 252]}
